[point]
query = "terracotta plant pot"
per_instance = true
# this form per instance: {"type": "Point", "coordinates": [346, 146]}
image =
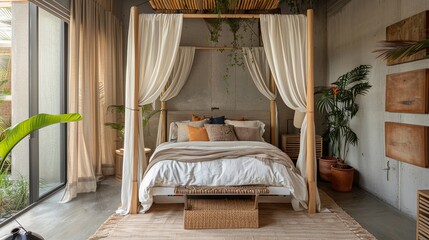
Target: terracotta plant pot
{"type": "Point", "coordinates": [342, 177]}
{"type": "Point", "coordinates": [325, 164]}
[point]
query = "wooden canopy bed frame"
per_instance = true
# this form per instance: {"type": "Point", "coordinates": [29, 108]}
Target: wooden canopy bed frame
{"type": "Point", "coordinates": [311, 184]}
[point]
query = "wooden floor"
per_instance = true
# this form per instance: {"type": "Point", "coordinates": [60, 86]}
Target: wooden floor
{"type": "Point", "coordinates": [80, 218]}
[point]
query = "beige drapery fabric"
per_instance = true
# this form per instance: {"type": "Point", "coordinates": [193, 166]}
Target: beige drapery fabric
{"type": "Point", "coordinates": [95, 69]}
{"type": "Point", "coordinates": [285, 39]}
{"type": "Point", "coordinates": [159, 38]}
{"type": "Point", "coordinates": [259, 70]}
{"type": "Point", "coordinates": [179, 75]}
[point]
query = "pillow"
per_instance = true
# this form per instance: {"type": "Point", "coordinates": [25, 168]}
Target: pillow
{"type": "Point", "coordinates": [197, 134]}
{"type": "Point", "coordinates": [196, 118]}
{"type": "Point", "coordinates": [217, 120]}
{"type": "Point", "coordinates": [247, 133]}
{"type": "Point", "coordinates": [236, 119]}
{"type": "Point", "coordinates": [217, 132]}
{"type": "Point", "coordinates": [253, 123]}
{"type": "Point", "coordinates": [173, 131]}
{"type": "Point", "coordinates": [183, 132]}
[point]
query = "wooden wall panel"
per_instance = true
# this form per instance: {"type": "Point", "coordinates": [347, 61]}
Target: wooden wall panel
{"type": "Point", "coordinates": [414, 28]}
{"type": "Point", "coordinates": [407, 143]}
{"type": "Point", "coordinates": [408, 92]}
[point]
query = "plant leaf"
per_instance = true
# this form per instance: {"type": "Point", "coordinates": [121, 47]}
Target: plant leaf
{"type": "Point", "coordinates": [393, 50]}
{"type": "Point", "coordinates": [16, 133]}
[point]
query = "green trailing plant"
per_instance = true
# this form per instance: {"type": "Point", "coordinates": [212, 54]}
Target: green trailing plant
{"type": "Point", "coordinates": [339, 104]}
{"type": "Point", "coordinates": [147, 112]}
{"type": "Point", "coordinates": [298, 6]}
{"type": "Point", "coordinates": [393, 50]}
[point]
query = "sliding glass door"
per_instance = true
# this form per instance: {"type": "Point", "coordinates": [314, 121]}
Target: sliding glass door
{"type": "Point", "coordinates": [50, 100]}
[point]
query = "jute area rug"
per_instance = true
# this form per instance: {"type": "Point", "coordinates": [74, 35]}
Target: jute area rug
{"type": "Point", "coordinates": [277, 221]}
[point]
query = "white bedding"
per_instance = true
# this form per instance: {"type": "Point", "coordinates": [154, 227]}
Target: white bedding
{"type": "Point", "coordinates": [221, 172]}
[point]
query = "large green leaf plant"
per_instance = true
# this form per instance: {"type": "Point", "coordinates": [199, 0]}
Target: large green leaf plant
{"type": "Point", "coordinates": [12, 135]}
{"type": "Point", "coordinates": [339, 104]}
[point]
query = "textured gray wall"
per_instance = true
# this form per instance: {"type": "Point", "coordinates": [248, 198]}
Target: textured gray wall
{"type": "Point", "coordinates": [353, 33]}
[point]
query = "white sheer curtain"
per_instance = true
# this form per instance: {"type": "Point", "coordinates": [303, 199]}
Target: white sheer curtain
{"type": "Point", "coordinates": [285, 44]}
{"type": "Point", "coordinates": [257, 63]}
{"type": "Point", "coordinates": [159, 37]}
{"type": "Point", "coordinates": [179, 75]}
{"type": "Point", "coordinates": [95, 69]}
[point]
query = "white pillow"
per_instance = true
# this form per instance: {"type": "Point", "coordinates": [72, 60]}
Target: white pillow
{"type": "Point", "coordinates": [173, 131]}
{"type": "Point", "coordinates": [182, 129]}
{"type": "Point", "coordinates": [251, 123]}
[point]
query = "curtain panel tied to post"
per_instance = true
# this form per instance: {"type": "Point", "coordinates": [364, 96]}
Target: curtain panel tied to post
{"type": "Point", "coordinates": [158, 44]}
{"type": "Point", "coordinates": [179, 75]}
{"type": "Point", "coordinates": [259, 70]}
{"type": "Point", "coordinates": [285, 44]}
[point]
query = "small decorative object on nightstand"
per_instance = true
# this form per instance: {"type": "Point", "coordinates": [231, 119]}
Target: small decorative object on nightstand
{"type": "Point", "coordinates": [290, 145]}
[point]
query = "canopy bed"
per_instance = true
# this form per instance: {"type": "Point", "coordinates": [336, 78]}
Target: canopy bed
{"type": "Point", "coordinates": [149, 64]}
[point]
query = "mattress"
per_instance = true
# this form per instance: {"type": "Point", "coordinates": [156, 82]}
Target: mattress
{"type": "Point", "coordinates": [235, 168]}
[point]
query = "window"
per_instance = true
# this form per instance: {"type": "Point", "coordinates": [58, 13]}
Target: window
{"type": "Point", "coordinates": [33, 47]}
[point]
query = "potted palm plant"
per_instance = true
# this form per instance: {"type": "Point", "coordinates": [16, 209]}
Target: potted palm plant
{"type": "Point", "coordinates": [338, 102]}
{"type": "Point", "coordinates": [119, 125]}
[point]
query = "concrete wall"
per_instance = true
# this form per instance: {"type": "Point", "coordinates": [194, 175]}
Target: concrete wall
{"type": "Point", "coordinates": [206, 86]}
{"type": "Point", "coordinates": [353, 32]}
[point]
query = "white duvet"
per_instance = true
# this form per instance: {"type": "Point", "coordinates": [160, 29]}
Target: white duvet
{"type": "Point", "coordinates": [222, 172]}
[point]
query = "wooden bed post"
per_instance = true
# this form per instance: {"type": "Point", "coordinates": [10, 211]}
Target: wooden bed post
{"type": "Point", "coordinates": [164, 120]}
{"type": "Point", "coordinates": [134, 196]}
{"type": "Point", "coordinates": [310, 114]}
{"type": "Point", "coordinates": [273, 116]}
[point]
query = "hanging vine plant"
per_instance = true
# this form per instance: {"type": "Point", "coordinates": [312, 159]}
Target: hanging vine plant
{"type": "Point", "coordinates": [298, 6]}
{"type": "Point", "coordinates": [214, 26]}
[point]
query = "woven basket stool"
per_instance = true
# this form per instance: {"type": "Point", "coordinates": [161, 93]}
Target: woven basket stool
{"type": "Point", "coordinates": [221, 213]}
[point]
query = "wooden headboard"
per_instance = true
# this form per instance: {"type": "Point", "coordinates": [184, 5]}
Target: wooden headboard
{"type": "Point", "coordinates": [263, 116]}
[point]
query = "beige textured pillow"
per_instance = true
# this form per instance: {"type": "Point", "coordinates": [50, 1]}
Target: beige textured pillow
{"type": "Point", "coordinates": [218, 132]}
{"type": "Point", "coordinates": [183, 132]}
{"type": "Point", "coordinates": [247, 133]}
{"type": "Point", "coordinates": [249, 123]}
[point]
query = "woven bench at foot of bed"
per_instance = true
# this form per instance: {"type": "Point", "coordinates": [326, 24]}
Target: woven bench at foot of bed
{"type": "Point", "coordinates": [221, 213]}
{"type": "Point", "coordinates": [239, 190]}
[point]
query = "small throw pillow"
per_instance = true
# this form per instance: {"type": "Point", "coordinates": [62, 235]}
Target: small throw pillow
{"type": "Point", "coordinates": [247, 133]}
{"type": "Point", "coordinates": [196, 118]}
{"type": "Point", "coordinates": [249, 123]}
{"type": "Point", "coordinates": [183, 131]}
{"type": "Point", "coordinates": [235, 119]}
{"type": "Point", "coordinates": [197, 134]}
{"type": "Point", "coordinates": [217, 120]}
{"type": "Point", "coordinates": [217, 132]}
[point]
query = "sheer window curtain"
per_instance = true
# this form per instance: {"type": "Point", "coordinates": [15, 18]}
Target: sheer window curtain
{"type": "Point", "coordinates": [179, 75]}
{"type": "Point", "coordinates": [285, 44]}
{"type": "Point", "coordinates": [95, 69]}
{"type": "Point", "coordinates": [259, 70]}
{"type": "Point", "coordinates": [159, 38]}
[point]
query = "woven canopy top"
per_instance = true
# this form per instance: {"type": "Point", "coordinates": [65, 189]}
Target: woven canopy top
{"type": "Point", "coordinates": [210, 6]}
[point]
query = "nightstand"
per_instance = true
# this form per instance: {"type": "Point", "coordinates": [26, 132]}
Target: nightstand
{"type": "Point", "coordinates": [290, 145]}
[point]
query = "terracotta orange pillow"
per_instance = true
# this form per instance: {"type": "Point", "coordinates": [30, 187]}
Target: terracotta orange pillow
{"type": "Point", "coordinates": [197, 134]}
{"type": "Point", "coordinates": [197, 118]}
